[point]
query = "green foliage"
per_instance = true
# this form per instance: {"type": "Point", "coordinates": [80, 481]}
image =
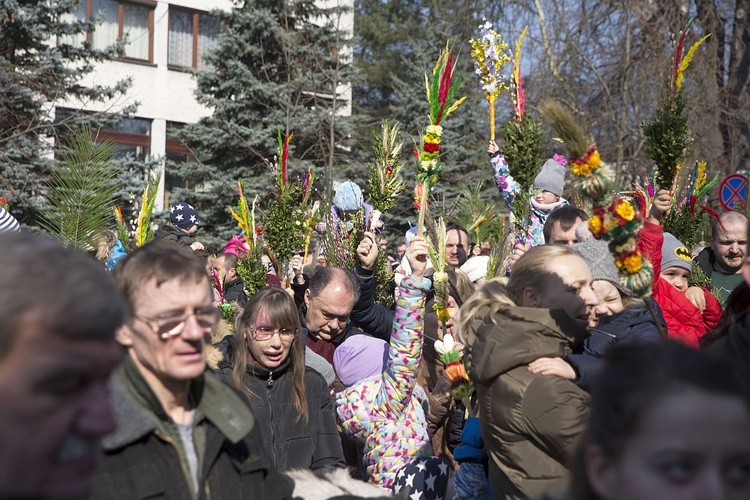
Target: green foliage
{"type": "Point", "coordinates": [383, 281]}
{"type": "Point", "coordinates": [385, 182]}
{"type": "Point", "coordinates": [284, 222]}
{"type": "Point", "coordinates": [252, 271]}
{"type": "Point", "coordinates": [342, 238]}
{"type": "Point", "coordinates": [699, 278]}
{"type": "Point", "coordinates": [477, 211]}
{"type": "Point", "coordinates": [275, 67]}
{"type": "Point", "coordinates": [392, 61]}
{"type": "Point", "coordinates": [123, 234]}
{"type": "Point", "coordinates": [667, 138]}
{"type": "Point", "coordinates": [685, 226]}
{"type": "Point", "coordinates": [82, 192]}
{"type": "Point", "coordinates": [522, 149]}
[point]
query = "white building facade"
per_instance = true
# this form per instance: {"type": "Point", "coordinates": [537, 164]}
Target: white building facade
{"type": "Point", "coordinates": [166, 39]}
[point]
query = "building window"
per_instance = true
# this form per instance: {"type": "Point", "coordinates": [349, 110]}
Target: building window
{"type": "Point", "coordinates": [131, 136]}
{"type": "Point", "coordinates": [116, 20]}
{"type": "Point", "coordinates": [191, 35]}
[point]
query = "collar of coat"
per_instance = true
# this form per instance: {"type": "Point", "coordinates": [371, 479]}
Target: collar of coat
{"type": "Point", "coordinates": [138, 411]}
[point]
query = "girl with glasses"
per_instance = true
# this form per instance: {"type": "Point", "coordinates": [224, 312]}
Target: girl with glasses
{"type": "Point", "coordinates": [291, 403]}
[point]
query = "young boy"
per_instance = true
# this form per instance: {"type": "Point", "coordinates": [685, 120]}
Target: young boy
{"type": "Point", "coordinates": [690, 312]}
{"type": "Point", "coordinates": [184, 221]}
{"type": "Point", "coordinates": [548, 187]}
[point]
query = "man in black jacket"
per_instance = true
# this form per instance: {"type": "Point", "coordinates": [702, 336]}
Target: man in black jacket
{"type": "Point", "coordinates": [182, 432]}
{"type": "Point", "coordinates": [722, 260]}
{"type": "Point", "coordinates": [233, 287]}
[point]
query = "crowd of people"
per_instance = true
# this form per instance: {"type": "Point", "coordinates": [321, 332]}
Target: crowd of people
{"type": "Point", "coordinates": [122, 378]}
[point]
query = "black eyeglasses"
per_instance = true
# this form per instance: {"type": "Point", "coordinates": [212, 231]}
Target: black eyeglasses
{"type": "Point", "coordinates": [172, 323]}
{"type": "Point", "coordinates": [266, 333]}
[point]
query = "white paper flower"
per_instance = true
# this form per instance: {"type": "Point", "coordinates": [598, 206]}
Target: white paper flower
{"type": "Point", "coordinates": [445, 345]}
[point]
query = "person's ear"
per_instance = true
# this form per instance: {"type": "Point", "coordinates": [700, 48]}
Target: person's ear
{"type": "Point", "coordinates": [307, 297]}
{"type": "Point", "coordinates": [124, 335]}
{"type": "Point", "coordinates": [600, 472]}
{"type": "Point", "coordinates": [530, 298]}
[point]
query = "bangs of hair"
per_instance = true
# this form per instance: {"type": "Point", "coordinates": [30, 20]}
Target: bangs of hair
{"type": "Point", "coordinates": [159, 260]}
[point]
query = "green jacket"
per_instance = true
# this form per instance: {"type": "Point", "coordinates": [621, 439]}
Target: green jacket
{"type": "Point", "coordinates": [531, 424]}
{"type": "Point", "coordinates": [144, 456]}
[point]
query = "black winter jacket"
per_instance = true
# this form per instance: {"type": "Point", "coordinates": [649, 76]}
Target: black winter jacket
{"type": "Point", "coordinates": [172, 233]}
{"type": "Point", "coordinates": [371, 317]}
{"type": "Point", "coordinates": [234, 291]}
{"type": "Point", "coordinates": [634, 324]}
{"type": "Point", "coordinates": [143, 458]}
{"type": "Point", "coordinates": [314, 444]}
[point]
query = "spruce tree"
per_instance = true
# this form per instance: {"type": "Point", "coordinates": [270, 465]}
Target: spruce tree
{"type": "Point", "coordinates": [40, 68]}
{"type": "Point", "coordinates": [276, 66]}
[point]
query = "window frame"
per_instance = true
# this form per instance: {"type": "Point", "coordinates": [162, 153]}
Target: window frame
{"type": "Point", "coordinates": [195, 14]}
{"type": "Point", "coordinates": [118, 137]}
{"type": "Point", "coordinates": [151, 4]}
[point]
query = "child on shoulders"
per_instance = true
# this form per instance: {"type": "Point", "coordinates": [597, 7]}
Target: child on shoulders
{"type": "Point", "coordinates": [548, 188]}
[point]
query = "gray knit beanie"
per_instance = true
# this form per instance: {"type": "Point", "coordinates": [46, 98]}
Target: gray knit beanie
{"type": "Point", "coordinates": [601, 262]}
{"type": "Point", "coordinates": [675, 254]}
{"type": "Point", "coordinates": [551, 177]}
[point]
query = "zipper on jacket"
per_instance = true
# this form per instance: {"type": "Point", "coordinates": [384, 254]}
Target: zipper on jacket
{"type": "Point", "coordinates": [596, 330]}
{"type": "Point", "coordinates": [183, 465]}
{"type": "Point", "coordinates": [269, 382]}
{"type": "Point", "coordinates": [270, 408]}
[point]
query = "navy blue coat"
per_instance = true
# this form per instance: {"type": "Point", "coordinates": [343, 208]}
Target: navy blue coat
{"type": "Point", "coordinates": [634, 324]}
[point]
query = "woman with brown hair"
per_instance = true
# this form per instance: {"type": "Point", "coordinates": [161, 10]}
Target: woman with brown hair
{"type": "Point", "coordinates": [291, 403]}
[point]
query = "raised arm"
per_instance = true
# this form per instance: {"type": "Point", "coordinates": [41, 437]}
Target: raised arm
{"type": "Point", "coordinates": [506, 185]}
{"type": "Point", "coordinates": [651, 236]}
{"type": "Point", "coordinates": [371, 317]}
{"type": "Point", "coordinates": [405, 351]}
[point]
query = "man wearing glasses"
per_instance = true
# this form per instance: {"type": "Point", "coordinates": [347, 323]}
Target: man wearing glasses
{"type": "Point", "coordinates": [181, 432]}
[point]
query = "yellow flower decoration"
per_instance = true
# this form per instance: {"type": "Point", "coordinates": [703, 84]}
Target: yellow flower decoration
{"type": "Point", "coordinates": [625, 210]}
{"type": "Point", "coordinates": [686, 61]}
{"type": "Point", "coordinates": [595, 224]}
{"type": "Point", "coordinates": [700, 177]}
{"type": "Point", "coordinates": [595, 160]}
{"type": "Point", "coordinates": [443, 314]}
{"type": "Point", "coordinates": [580, 169]}
{"type": "Point", "coordinates": [633, 263]}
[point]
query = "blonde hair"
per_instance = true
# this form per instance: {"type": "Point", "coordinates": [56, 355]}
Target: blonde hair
{"type": "Point", "coordinates": [103, 241]}
{"type": "Point", "coordinates": [534, 268]}
{"type": "Point", "coordinates": [483, 304]}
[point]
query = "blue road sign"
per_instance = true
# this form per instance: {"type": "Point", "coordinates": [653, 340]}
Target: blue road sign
{"type": "Point", "coordinates": [733, 192]}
